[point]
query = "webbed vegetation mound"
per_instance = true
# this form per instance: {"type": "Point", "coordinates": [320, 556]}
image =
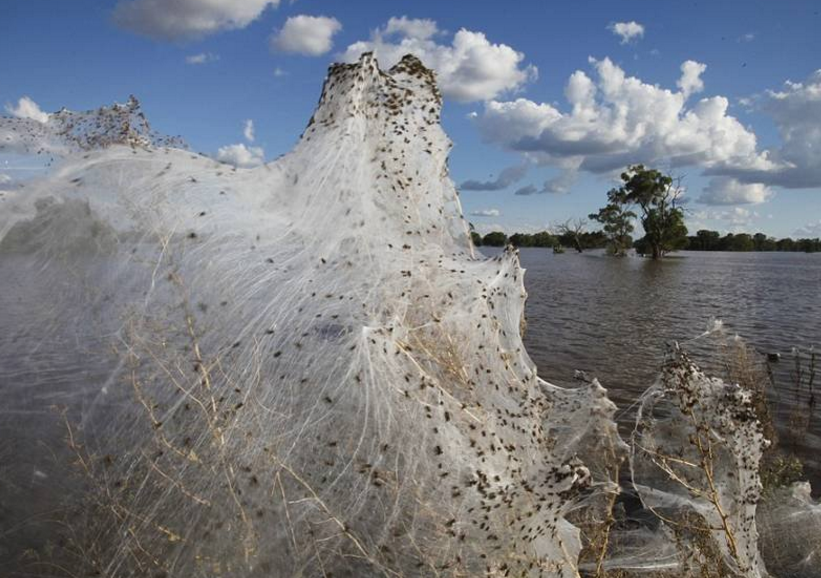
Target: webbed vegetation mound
{"type": "Point", "coordinates": [297, 370]}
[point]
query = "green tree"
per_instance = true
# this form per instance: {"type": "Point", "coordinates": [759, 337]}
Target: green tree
{"type": "Point", "coordinates": [705, 240]}
{"type": "Point", "coordinates": [521, 240]}
{"type": "Point", "coordinates": [544, 239]}
{"type": "Point", "coordinates": [741, 242]}
{"type": "Point", "coordinates": [786, 244]}
{"type": "Point", "coordinates": [616, 219]}
{"type": "Point", "coordinates": [808, 245]}
{"type": "Point", "coordinates": [656, 194]}
{"type": "Point", "coordinates": [495, 239]}
{"type": "Point", "coordinates": [763, 242]}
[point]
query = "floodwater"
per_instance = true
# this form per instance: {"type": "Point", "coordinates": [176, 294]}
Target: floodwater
{"type": "Point", "coordinates": [611, 318]}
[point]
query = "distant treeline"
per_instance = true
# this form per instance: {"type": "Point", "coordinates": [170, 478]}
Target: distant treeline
{"type": "Point", "coordinates": [588, 240]}
{"type": "Point", "coordinates": [703, 240]}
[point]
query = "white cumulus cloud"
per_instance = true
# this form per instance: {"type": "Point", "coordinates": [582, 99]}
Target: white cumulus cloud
{"type": "Point", "coordinates": [729, 191]}
{"type": "Point", "coordinates": [614, 120]}
{"type": "Point", "coordinates": [739, 217]}
{"type": "Point", "coordinates": [470, 68]}
{"type": "Point", "coordinates": [486, 213]}
{"type": "Point", "coordinates": [690, 81]}
{"type": "Point", "coordinates": [796, 112]}
{"type": "Point", "coordinates": [27, 108]}
{"type": "Point", "coordinates": [248, 130]}
{"type": "Point", "coordinates": [735, 219]}
{"type": "Point", "coordinates": [308, 35]}
{"type": "Point", "coordinates": [186, 19]}
{"type": "Point", "coordinates": [810, 230]}
{"type": "Point", "coordinates": [421, 28]}
{"type": "Point", "coordinates": [201, 58]}
{"type": "Point", "coordinates": [241, 156]}
{"type": "Point", "coordinates": [627, 31]}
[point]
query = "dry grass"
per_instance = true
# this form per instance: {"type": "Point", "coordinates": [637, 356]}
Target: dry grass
{"type": "Point", "coordinates": [596, 521]}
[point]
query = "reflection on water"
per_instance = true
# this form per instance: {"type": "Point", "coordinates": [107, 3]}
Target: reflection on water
{"type": "Point", "coordinates": [611, 317]}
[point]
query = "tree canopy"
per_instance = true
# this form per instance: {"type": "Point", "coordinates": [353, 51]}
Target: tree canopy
{"type": "Point", "coordinates": [616, 219]}
{"type": "Point", "coordinates": [656, 195]}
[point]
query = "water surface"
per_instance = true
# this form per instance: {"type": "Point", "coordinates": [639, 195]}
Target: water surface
{"type": "Point", "coordinates": [611, 317]}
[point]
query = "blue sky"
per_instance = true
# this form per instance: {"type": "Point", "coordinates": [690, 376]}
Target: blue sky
{"type": "Point", "coordinates": [750, 165]}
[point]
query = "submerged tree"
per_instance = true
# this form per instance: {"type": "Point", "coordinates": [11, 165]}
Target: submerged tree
{"type": "Point", "coordinates": [616, 219]}
{"type": "Point", "coordinates": [571, 233]}
{"type": "Point", "coordinates": [656, 194]}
